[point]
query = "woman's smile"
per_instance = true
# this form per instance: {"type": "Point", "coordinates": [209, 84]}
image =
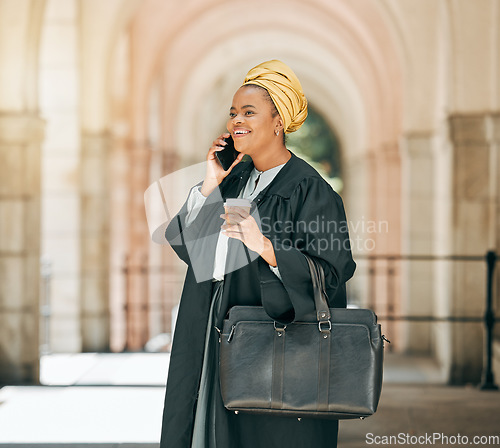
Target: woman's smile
{"type": "Point", "coordinates": [240, 132]}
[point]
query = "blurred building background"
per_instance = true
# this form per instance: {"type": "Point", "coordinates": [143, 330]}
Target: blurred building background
{"type": "Point", "coordinates": [99, 99]}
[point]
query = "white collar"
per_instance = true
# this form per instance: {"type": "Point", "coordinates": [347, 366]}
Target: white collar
{"type": "Point", "coordinates": [266, 177]}
{"type": "Point", "coordinates": [267, 173]}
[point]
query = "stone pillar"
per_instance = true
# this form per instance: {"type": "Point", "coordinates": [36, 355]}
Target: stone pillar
{"type": "Point", "coordinates": [495, 146]}
{"type": "Point", "coordinates": [119, 231]}
{"type": "Point", "coordinates": [137, 276]}
{"type": "Point", "coordinates": [95, 259]}
{"type": "Point", "coordinates": [59, 99]}
{"type": "Point", "coordinates": [474, 204]}
{"type": "Point", "coordinates": [384, 228]}
{"type": "Point", "coordinates": [418, 232]}
{"type": "Point", "coordinates": [20, 139]}
{"type": "Point", "coordinates": [355, 175]}
{"type": "Point", "coordinates": [174, 270]}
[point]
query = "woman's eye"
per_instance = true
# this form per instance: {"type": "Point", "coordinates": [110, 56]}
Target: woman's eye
{"type": "Point", "coordinates": [233, 114]}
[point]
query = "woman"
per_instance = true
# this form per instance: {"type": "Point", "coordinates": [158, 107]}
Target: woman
{"type": "Point", "coordinates": [298, 212]}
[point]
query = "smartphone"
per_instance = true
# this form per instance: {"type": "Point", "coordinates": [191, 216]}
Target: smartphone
{"type": "Point", "coordinates": [228, 155]}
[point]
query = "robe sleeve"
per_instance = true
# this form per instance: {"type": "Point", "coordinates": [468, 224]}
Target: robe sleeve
{"type": "Point", "coordinates": [193, 236]}
{"type": "Point", "coordinates": [318, 228]}
{"type": "Point", "coordinates": [194, 203]}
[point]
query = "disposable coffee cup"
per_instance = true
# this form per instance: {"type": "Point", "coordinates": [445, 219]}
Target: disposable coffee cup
{"type": "Point", "coordinates": [231, 204]}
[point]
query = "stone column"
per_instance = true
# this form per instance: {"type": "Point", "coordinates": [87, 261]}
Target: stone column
{"type": "Point", "coordinates": [95, 259]}
{"type": "Point", "coordinates": [137, 277]}
{"type": "Point", "coordinates": [174, 270]}
{"type": "Point", "coordinates": [495, 146]}
{"type": "Point", "coordinates": [474, 204]}
{"type": "Point", "coordinates": [418, 234]}
{"type": "Point", "coordinates": [20, 139]}
{"type": "Point", "coordinates": [355, 175]}
{"type": "Point", "coordinates": [119, 231]}
{"type": "Point", "coordinates": [384, 228]}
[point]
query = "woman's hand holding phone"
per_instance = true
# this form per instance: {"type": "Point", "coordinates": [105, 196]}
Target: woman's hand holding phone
{"type": "Point", "coordinates": [215, 172]}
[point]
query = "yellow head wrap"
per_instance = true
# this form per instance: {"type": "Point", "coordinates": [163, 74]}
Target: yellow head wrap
{"type": "Point", "coordinates": [284, 89]}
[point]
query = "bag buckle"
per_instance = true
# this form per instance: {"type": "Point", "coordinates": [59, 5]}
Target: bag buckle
{"type": "Point", "coordinates": [279, 330]}
{"type": "Point", "coordinates": [325, 330]}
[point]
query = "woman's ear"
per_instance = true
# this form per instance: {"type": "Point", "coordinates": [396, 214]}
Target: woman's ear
{"type": "Point", "coordinates": [279, 126]}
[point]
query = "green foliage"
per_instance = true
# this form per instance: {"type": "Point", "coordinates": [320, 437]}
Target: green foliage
{"type": "Point", "coordinates": [316, 143]}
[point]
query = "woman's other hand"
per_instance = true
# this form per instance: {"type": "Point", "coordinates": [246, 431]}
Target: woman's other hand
{"type": "Point", "coordinates": [215, 173]}
{"type": "Point", "coordinates": [243, 227]}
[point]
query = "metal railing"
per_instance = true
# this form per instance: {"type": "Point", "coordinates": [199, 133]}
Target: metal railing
{"type": "Point", "coordinates": [490, 258]}
{"type": "Point", "coordinates": [146, 306]}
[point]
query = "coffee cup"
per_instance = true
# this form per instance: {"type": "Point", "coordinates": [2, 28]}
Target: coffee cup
{"type": "Point", "coordinates": [231, 204]}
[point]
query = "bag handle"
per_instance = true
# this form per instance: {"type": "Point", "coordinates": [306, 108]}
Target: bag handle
{"type": "Point", "coordinates": [320, 297]}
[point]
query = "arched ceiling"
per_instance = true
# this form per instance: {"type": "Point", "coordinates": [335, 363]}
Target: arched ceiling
{"type": "Point", "coordinates": [201, 102]}
{"type": "Point", "coordinates": [348, 49]}
{"type": "Point", "coordinates": [20, 25]}
{"type": "Point", "coordinates": [101, 25]}
{"type": "Point", "coordinates": [401, 56]}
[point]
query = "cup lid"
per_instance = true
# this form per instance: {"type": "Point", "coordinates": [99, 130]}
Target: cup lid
{"type": "Point", "coordinates": [237, 202]}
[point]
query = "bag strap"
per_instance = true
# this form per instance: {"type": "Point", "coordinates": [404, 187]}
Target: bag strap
{"type": "Point", "coordinates": [325, 327]}
{"type": "Point", "coordinates": [320, 297]}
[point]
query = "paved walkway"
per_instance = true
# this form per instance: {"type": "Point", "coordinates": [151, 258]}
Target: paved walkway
{"type": "Point", "coordinates": [421, 415]}
{"type": "Point", "coordinates": [82, 413]}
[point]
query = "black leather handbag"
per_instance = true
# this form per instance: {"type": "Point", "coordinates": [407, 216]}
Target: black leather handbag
{"type": "Point", "coordinates": [328, 365]}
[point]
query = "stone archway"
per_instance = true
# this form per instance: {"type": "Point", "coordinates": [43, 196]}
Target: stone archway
{"type": "Point", "coordinates": [393, 79]}
{"type": "Point", "coordinates": [337, 56]}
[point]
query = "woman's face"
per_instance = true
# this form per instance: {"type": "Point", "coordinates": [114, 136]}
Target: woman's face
{"type": "Point", "coordinates": [251, 122]}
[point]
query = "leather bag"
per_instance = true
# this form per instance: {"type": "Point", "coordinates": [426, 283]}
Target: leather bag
{"type": "Point", "coordinates": [327, 365]}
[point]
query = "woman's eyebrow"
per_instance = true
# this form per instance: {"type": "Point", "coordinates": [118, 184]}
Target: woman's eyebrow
{"type": "Point", "coordinates": [244, 107]}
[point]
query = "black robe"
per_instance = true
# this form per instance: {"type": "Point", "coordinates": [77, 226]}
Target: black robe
{"type": "Point", "coordinates": [299, 212]}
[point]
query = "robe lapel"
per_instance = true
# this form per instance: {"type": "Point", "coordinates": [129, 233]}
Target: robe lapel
{"type": "Point", "coordinates": [233, 189]}
{"type": "Point", "coordinates": [283, 177]}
